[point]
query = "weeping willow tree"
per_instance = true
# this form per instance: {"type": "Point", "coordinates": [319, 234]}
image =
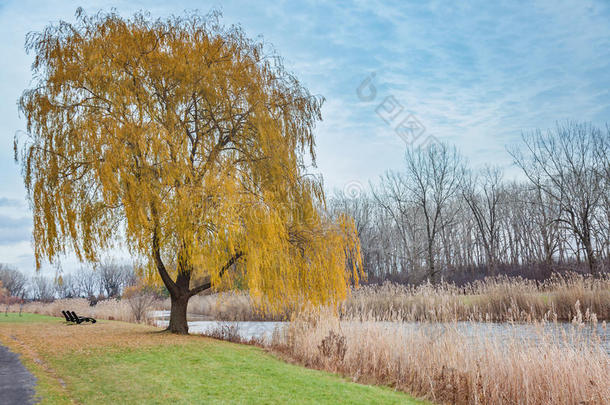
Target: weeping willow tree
{"type": "Point", "coordinates": [187, 142]}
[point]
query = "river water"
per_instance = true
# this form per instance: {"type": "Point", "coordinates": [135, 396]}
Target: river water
{"type": "Point", "coordinates": [528, 333]}
{"type": "Point", "coordinates": [246, 330]}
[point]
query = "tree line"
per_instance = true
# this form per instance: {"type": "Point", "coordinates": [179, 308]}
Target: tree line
{"type": "Point", "coordinates": [108, 280]}
{"type": "Point", "coordinates": [439, 219]}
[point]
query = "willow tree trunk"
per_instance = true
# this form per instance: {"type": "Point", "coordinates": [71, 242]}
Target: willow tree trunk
{"type": "Point", "coordinates": [180, 290]}
{"type": "Point", "coordinates": [179, 294]}
{"type": "Point", "coordinates": [177, 316]}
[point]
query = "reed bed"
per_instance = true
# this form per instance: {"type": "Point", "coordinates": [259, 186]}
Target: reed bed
{"type": "Point", "coordinates": [498, 299]}
{"type": "Point", "coordinates": [444, 365]}
{"type": "Point", "coordinates": [231, 306]}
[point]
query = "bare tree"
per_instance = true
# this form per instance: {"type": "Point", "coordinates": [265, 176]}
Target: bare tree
{"type": "Point", "coordinates": [484, 194]}
{"type": "Point", "coordinates": [114, 277]}
{"type": "Point", "coordinates": [603, 158]}
{"type": "Point", "coordinates": [401, 216]}
{"type": "Point", "coordinates": [42, 289]}
{"type": "Point", "coordinates": [66, 286]}
{"type": "Point", "coordinates": [13, 280]}
{"type": "Point", "coordinates": [86, 281]}
{"type": "Point", "coordinates": [7, 299]}
{"type": "Point", "coordinates": [140, 299]}
{"type": "Point", "coordinates": [433, 178]}
{"type": "Point", "coordinates": [563, 163]}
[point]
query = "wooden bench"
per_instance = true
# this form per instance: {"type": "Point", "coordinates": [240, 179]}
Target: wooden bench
{"type": "Point", "coordinates": [72, 317]}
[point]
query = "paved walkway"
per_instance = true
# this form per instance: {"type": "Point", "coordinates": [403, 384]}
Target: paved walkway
{"type": "Point", "coordinates": [16, 382]}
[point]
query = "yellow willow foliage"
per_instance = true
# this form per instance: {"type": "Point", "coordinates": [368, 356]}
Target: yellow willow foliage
{"type": "Point", "coordinates": [190, 141]}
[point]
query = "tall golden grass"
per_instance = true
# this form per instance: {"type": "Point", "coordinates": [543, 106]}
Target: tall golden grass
{"type": "Point", "coordinates": [112, 309]}
{"type": "Point", "coordinates": [231, 306]}
{"type": "Point", "coordinates": [444, 365]}
{"type": "Point", "coordinates": [498, 299]}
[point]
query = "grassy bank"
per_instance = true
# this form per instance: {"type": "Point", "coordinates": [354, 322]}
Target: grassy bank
{"type": "Point", "coordinates": [116, 362]}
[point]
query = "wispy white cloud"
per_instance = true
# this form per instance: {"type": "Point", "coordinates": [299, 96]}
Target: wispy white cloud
{"type": "Point", "coordinates": [15, 230]}
{"type": "Point", "coordinates": [10, 202]}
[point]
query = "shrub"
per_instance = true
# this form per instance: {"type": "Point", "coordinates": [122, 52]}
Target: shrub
{"type": "Point", "coordinates": [140, 299]}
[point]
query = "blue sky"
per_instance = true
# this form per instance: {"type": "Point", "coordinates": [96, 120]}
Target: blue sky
{"type": "Point", "coordinates": [472, 73]}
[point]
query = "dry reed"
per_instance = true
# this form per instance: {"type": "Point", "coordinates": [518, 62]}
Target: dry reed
{"type": "Point", "coordinates": [443, 364]}
{"type": "Point", "coordinates": [498, 299]}
{"type": "Point", "coordinates": [230, 306]}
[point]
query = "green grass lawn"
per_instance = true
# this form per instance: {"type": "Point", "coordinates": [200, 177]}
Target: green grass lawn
{"type": "Point", "coordinates": [25, 318]}
{"type": "Point", "coordinates": [115, 362]}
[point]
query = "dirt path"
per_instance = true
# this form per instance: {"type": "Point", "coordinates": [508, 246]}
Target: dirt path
{"type": "Point", "coordinates": [16, 382]}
